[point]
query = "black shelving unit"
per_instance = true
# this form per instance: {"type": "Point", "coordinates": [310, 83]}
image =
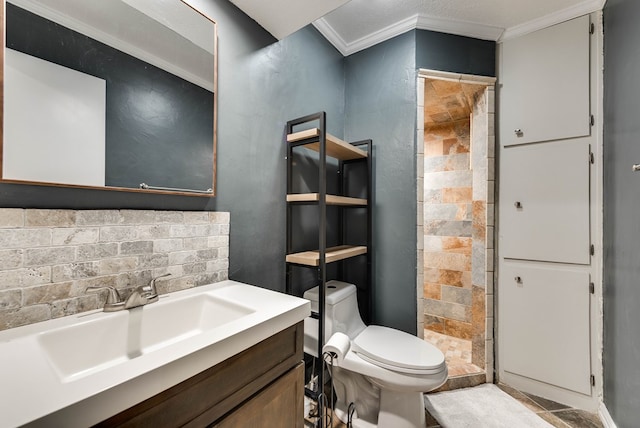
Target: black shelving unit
{"type": "Point", "coordinates": [314, 136]}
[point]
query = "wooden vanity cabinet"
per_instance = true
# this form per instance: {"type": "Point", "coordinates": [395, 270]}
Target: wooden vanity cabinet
{"type": "Point", "coordinates": [262, 386]}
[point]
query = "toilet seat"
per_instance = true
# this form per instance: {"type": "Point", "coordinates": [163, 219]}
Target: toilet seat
{"type": "Point", "coordinates": [398, 351]}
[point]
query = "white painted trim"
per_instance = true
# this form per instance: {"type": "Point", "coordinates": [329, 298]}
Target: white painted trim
{"type": "Point", "coordinates": [605, 417]}
{"type": "Point", "coordinates": [111, 40]}
{"type": "Point", "coordinates": [461, 28]}
{"type": "Point", "coordinates": [417, 21]}
{"type": "Point", "coordinates": [584, 8]}
{"type": "Point", "coordinates": [456, 77]}
{"type": "Point", "coordinates": [331, 35]}
{"type": "Point", "coordinates": [597, 106]}
{"type": "Point", "coordinates": [348, 48]}
{"type": "Point", "coordinates": [548, 391]}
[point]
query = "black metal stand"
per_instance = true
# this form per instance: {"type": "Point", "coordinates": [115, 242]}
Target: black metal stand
{"type": "Point", "coordinates": [319, 142]}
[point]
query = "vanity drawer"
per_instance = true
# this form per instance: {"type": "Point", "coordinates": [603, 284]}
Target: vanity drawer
{"type": "Point", "coordinates": [208, 396]}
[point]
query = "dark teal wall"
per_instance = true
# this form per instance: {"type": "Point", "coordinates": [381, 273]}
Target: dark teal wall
{"type": "Point", "coordinates": [263, 84]}
{"type": "Point", "coordinates": [621, 207]}
{"type": "Point", "coordinates": [458, 54]}
{"type": "Point", "coordinates": [381, 105]}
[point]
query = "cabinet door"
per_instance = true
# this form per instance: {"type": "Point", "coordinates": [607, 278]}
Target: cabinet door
{"type": "Point", "coordinates": [544, 202]}
{"type": "Point", "coordinates": [281, 404]}
{"type": "Point", "coordinates": [544, 324]}
{"type": "Point", "coordinates": [545, 84]}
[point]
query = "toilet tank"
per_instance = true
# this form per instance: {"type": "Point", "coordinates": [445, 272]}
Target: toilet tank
{"type": "Point", "coordinates": [341, 313]}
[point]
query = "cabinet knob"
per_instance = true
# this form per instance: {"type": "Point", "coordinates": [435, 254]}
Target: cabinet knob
{"type": "Point", "coordinates": [636, 167]}
{"type": "Point", "coordinates": [518, 205]}
{"type": "Point", "coordinates": [518, 132]}
{"type": "Point", "coordinates": [518, 279]}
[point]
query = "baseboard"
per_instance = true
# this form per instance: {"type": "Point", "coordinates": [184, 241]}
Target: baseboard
{"type": "Point", "coordinates": [605, 417]}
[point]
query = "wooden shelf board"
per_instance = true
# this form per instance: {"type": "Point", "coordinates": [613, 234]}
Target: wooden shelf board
{"type": "Point", "coordinates": [331, 199]}
{"type": "Point", "coordinates": [336, 148]}
{"type": "Point", "coordinates": [333, 254]}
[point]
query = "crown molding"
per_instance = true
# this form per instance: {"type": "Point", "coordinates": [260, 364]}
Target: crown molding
{"type": "Point", "coordinates": [348, 48]}
{"type": "Point", "coordinates": [584, 8]}
{"type": "Point", "coordinates": [331, 35]}
{"type": "Point", "coordinates": [461, 28]}
{"type": "Point", "coordinates": [417, 21]}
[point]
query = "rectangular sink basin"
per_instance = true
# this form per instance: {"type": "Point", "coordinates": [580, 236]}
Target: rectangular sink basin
{"type": "Point", "coordinates": [87, 347]}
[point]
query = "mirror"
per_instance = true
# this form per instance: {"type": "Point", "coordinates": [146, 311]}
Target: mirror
{"type": "Point", "coordinates": [118, 94]}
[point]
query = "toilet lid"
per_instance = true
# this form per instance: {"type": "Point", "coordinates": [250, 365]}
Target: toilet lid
{"type": "Point", "coordinates": [397, 349]}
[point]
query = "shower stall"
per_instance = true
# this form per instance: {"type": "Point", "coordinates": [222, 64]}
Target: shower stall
{"type": "Point", "coordinates": [456, 146]}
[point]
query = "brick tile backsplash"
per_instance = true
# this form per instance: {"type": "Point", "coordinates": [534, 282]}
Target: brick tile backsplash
{"type": "Point", "coordinates": [49, 257]}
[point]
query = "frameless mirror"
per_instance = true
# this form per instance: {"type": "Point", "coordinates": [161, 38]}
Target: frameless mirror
{"type": "Point", "coordinates": [117, 94]}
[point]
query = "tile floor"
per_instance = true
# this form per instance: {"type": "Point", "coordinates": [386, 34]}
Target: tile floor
{"type": "Point", "coordinates": [558, 415]}
{"type": "Point", "coordinates": [457, 353]}
{"type": "Point", "coordinates": [464, 374]}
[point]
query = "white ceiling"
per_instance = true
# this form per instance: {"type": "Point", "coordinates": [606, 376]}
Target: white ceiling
{"type": "Point", "coordinates": [284, 17]}
{"type": "Point", "coordinates": [358, 24]}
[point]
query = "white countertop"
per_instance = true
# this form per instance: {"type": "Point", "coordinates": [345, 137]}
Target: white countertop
{"type": "Point", "coordinates": [33, 392]}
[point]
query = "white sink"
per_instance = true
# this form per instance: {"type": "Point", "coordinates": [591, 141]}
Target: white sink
{"type": "Point", "coordinates": [78, 370]}
{"type": "Point", "coordinates": [128, 334]}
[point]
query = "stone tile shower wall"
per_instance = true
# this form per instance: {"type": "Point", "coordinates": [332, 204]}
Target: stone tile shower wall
{"type": "Point", "coordinates": [448, 216]}
{"type": "Point", "coordinates": [455, 224]}
{"type": "Point", "coordinates": [49, 257]}
{"type": "Point", "coordinates": [482, 269]}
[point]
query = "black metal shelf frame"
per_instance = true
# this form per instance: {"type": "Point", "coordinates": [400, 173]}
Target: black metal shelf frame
{"type": "Point", "coordinates": [321, 269]}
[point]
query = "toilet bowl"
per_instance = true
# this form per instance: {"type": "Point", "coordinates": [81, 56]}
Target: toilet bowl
{"type": "Point", "coordinates": [380, 372]}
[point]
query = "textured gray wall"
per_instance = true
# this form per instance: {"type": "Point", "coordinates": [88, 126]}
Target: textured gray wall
{"type": "Point", "coordinates": [621, 205]}
{"type": "Point", "coordinates": [381, 105]}
{"type": "Point", "coordinates": [262, 84]}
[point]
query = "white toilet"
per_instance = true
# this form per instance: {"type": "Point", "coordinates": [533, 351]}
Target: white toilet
{"type": "Point", "coordinates": [383, 372]}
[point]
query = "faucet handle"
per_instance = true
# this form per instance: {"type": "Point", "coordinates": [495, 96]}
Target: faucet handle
{"type": "Point", "coordinates": [151, 288]}
{"type": "Point", "coordinates": [114, 301]}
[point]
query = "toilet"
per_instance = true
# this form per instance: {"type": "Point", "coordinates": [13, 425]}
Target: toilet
{"type": "Point", "coordinates": [381, 372]}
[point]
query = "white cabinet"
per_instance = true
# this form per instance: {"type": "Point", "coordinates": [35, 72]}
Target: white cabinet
{"type": "Point", "coordinates": [538, 341]}
{"type": "Point", "coordinates": [544, 202]}
{"type": "Point", "coordinates": [545, 84]}
{"type": "Point", "coordinates": [547, 213]}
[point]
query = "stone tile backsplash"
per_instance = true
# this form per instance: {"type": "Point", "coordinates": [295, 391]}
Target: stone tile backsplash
{"type": "Point", "coordinates": [49, 257]}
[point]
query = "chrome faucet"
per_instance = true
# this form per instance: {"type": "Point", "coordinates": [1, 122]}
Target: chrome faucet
{"type": "Point", "coordinates": [144, 294]}
{"type": "Point", "coordinates": [114, 301]}
{"type": "Point", "coordinates": [140, 296]}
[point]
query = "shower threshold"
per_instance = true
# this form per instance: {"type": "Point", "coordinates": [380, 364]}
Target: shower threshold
{"type": "Point", "coordinates": [462, 372]}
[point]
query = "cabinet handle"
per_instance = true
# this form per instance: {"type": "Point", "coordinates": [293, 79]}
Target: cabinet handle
{"type": "Point", "coordinates": [636, 167]}
{"type": "Point", "coordinates": [518, 205]}
{"type": "Point", "coordinates": [518, 132]}
{"type": "Point", "coordinates": [518, 280]}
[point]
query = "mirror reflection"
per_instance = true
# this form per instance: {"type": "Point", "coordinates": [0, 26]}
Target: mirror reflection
{"type": "Point", "coordinates": [116, 94]}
